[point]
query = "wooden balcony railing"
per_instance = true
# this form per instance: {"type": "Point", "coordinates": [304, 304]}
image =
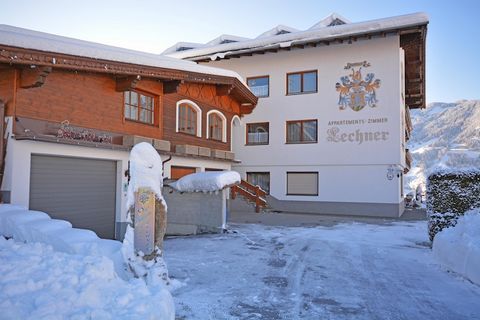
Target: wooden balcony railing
{"type": "Point", "coordinates": [250, 192]}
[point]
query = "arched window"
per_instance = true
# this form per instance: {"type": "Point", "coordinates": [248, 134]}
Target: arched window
{"type": "Point", "coordinates": [189, 118]}
{"type": "Point", "coordinates": [216, 126]}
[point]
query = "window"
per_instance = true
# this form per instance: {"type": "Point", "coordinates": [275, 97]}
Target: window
{"type": "Point", "coordinates": [257, 133]}
{"type": "Point", "coordinates": [302, 183]}
{"type": "Point", "coordinates": [301, 82]}
{"type": "Point", "coordinates": [302, 131]}
{"type": "Point", "coordinates": [216, 126]}
{"type": "Point", "coordinates": [259, 86]}
{"type": "Point", "coordinates": [139, 107]}
{"type": "Point", "coordinates": [189, 118]}
{"type": "Point", "coordinates": [261, 179]}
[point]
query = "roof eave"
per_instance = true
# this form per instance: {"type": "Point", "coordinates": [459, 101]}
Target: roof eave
{"type": "Point", "coordinates": [320, 40]}
{"type": "Point", "coordinates": [28, 57]}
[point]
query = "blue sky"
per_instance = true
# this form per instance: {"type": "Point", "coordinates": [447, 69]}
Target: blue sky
{"type": "Point", "coordinates": [453, 40]}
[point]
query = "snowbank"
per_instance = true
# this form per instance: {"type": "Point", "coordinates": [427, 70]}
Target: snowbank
{"type": "Point", "coordinates": [458, 248]}
{"type": "Point", "coordinates": [145, 171]}
{"type": "Point", "coordinates": [39, 282]}
{"type": "Point", "coordinates": [206, 181]}
{"type": "Point", "coordinates": [35, 226]}
{"type": "Point", "coordinates": [64, 272]}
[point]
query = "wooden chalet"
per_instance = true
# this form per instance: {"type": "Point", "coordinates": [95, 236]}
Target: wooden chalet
{"type": "Point", "coordinates": [87, 103]}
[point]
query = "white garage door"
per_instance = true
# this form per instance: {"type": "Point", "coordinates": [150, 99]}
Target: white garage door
{"type": "Point", "coordinates": [78, 190]}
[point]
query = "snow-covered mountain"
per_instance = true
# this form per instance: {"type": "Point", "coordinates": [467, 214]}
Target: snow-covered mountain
{"type": "Point", "coordinates": [445, 135]}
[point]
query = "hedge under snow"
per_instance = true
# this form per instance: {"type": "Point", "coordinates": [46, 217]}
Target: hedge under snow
{"type": "Point", "coordinates": [451, 193]}
{"type": "Point", "coordinates": [458, 248]}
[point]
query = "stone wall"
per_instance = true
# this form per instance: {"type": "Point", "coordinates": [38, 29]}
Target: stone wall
{"type": "Point", "coordinates": [194, 213]}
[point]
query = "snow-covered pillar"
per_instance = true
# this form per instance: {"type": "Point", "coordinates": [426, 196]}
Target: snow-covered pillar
{"type": "Point", "coordinates": [145, 200]}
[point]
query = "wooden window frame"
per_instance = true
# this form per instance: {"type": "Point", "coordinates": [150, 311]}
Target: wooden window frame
{"type": "Point", "coordinates": [301, 131]}
{"type": "Point", "coordinates": [260, 77]}
{"type": "Point", "coordinates": [154, 111]}
{"type": "Point", "coordinates": [224, 128]}
{"type": "Point", "coordinates": [199, 120]}
{"type": "Point", "coordinates": [256, 144]}
{"type": "Point", "coordinates": [302, 73]}
{"type": "Point", "coordinates": [299, 194]}
{"type": "Point", "coordinates": [194, 121]}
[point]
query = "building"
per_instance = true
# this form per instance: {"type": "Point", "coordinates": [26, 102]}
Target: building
{"type": "Point", "coordinates": [73, 109]}
{"type": "Point", "coordinates": [329, 132]}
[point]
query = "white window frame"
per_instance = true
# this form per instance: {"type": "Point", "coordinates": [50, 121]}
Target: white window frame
{"type": "Point", "coordinates": [224, 124]}
{"type": "Point", "coordinates": [199, 115]}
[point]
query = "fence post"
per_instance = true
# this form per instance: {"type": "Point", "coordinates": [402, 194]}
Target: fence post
{"type": "Point", "coordinates": [257, 199]}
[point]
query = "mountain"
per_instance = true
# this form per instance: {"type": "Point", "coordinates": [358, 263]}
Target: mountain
{"type": "Point", "coordinates": [445, 135]}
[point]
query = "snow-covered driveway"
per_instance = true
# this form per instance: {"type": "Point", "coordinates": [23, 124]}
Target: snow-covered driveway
{"type": "Point", "coordinates": [350, 271]}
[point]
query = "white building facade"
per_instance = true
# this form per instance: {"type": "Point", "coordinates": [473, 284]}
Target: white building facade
{"type": "Point", "coordinates": [328, 134]}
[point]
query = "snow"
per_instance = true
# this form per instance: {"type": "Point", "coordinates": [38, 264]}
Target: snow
{"type": "Point", "coordinates": [325, 22]}
{"type": "Point", "coordinates": [206, 181]}
{"type": "Point", "coordinates": [345, 30]}
{"type": "Point", "coordinates": [39, 282]}
{"type": "Point", "coordinates": [29, 39]}
{"type": "Point", "coordinates": [276, 30]}
{"type": "Point", "coordinates": [445, 136]}
{"type": "Point", "coordinates": [348, 271]}
{"type": "Point", "coordinates": [36, 226]}
{"type": "Point", "coordinates": [145, 172]}
{"type": "Point", "coordinates": [179, 45]}
{"type": "Point", "coordinates": [458, 248]}
{"type": "Point", "coordinates": [226, 37]}
{"type": "Point", "coordinates": [55, 271]}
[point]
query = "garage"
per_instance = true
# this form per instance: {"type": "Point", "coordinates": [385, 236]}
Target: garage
{"type": "Point", "coordinates": [79, 190]}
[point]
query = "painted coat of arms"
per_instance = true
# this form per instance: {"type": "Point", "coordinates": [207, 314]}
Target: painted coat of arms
{"type": "Point", "coordinates": [356, 91]}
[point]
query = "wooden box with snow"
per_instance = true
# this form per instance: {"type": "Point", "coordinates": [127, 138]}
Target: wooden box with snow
{"type": "Point", "coordinates": [197, 203]}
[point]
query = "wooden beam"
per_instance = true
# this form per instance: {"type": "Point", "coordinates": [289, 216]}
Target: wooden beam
{"type": "Point", "coordinates": [34, 77]}
{"type": "Point", "coordinates": [126, 83]}
{"type": "Point", "coordinates": [171, 86]}
{"type": "Point", "coordinates": [223, 89]}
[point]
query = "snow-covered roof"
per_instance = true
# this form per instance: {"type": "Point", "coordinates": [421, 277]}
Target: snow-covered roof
{"type": "Point", "coordinates": [30, 39]}
{"type": "Point", "coordinates": [318, 32]}
{"type": "Point", "coordinates": [275, 31]}
{"type": "Point", "coordinates": [181, 46]}
{"type": "Point", "coordinates": [225, 38]}
{"type": "Point", "coordinates": [331, 20]}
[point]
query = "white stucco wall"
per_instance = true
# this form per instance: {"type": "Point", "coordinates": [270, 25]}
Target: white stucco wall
{"type": "Point", "coordinates": [348, 171]}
